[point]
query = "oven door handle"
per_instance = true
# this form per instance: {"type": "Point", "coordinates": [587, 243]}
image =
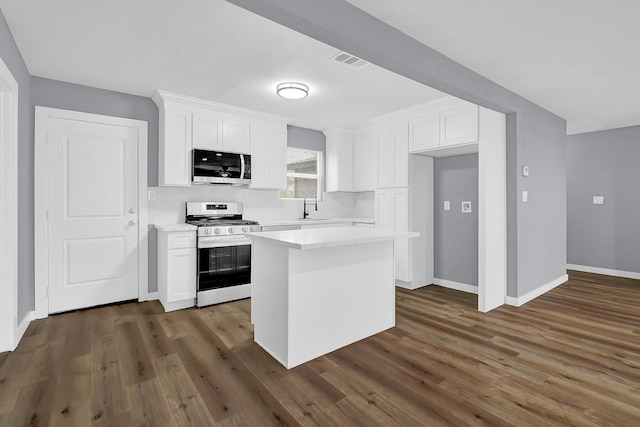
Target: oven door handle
{"type": "Point", "coordinates": [221, 243]}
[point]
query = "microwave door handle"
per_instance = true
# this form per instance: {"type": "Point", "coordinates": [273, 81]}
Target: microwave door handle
{"type": "Point", "coordinates": [241, 166]}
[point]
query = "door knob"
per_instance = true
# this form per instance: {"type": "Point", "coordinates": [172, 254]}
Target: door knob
{"type": "Point", "coordinates": [132, 223]}
{"type": "Point", "coordinates": [132, 211]}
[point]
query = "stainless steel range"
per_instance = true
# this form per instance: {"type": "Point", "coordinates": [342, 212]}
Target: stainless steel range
{"type": "Point", "coordinates": [224, 252]}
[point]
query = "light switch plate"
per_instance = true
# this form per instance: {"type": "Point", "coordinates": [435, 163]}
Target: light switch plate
{"type": "Point", "coordinates": [598, 200]}
{"type": "Point", "coordinates": [447, 205]}
{"type": "Point", "coordinates": [525, 171]}
{"type": "Point", "coordinates": [151, 195]}
{"type": "Point", "coordinates": [466, 207]}
{"type": "Point", "coordinates": [525, 196]}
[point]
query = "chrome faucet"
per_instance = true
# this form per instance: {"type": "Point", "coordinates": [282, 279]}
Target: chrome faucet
{"type": "Point", "coordinates": [305, 212]}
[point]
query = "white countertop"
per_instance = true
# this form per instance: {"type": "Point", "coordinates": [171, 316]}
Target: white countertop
{"type": "Point", "coordinates": [175, 227]}
{"type": "Point", "coordinates": [326, 237]}
{"type": "Point", "coordinates": [315, 221]}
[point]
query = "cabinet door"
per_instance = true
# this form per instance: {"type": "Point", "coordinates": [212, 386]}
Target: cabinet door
{"type": "Point", "coordinates": [339, 161]}
{"type": "Point", "coordinates": [400, 215]}
{"type": "Point", "coordinates": [459, 125]}
{"type": "Point", "coordinates": [384, 214]}
{"type": "Point", "coordinates": [175, 148]}
{"type": "Point", "coordinates": [384, 158]}
{"type": "Point", "coordinates": [268, 155]}
{"type": "Point", "coordinates": [400, 155]}
{"type": "Point", "coordinates": [181, 274]}
{"type": "Point", "coordinates": [363, 146]}
{"type": "Point", "coordinates": [424, 132]}
{"type": "Point", "coordinates": [207, 130]}
{"type": "Point", "coordinates": [236, 134]}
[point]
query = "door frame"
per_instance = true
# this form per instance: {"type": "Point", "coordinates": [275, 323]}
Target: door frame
{"type": "Point", "coordinates": [42, 116]}
{"type": "Point", "coordinates": [10, 331]}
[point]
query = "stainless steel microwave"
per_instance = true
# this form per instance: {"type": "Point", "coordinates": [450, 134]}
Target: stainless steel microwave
{"type": "Point", "coordinates": [217, 167]}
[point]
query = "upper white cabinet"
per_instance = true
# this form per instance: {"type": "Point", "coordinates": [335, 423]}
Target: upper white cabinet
{"type": "Point", "coordinates": [459, 124]}
{"type": "Point", "coordinates": [424, 132]}
{"type": "Point", "coordinates": [363, 164]}
{"type": "Point", "coordinates": [268, 155]}
{"type": "Point", "coordinates": [207, 130]}
{"type": "Point", "coordinates": [339, 160]}
{"type": "Point", "coordinates": [236, 134]}
{"type": "Point", "coordinates": [187, 123]}
{"type": "Point", "coordinates": [175, 146]}
{"type": "Point", "coordinates": [392, 156]}
{"type": "Point", "coordinates": [444, 124]}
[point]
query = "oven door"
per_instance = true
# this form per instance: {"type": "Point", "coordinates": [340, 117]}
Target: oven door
{"type": "Point", "coordinates": [223, 262]}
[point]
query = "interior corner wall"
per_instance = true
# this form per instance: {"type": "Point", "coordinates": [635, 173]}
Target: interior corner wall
{"type": "Point", "coordinates": [605, 164]}
{"type": "Point", "coordinates": [538, 235]}
{"type": "Point", "coordinates": [455, 179]}
{"type": "Point", "coordinates": [26, 273]}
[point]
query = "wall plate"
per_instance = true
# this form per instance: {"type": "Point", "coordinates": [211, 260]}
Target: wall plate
{"type": "Point", "coordinates": [466, 207]}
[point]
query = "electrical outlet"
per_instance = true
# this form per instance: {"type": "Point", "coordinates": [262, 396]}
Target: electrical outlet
{"type": "Point", "coordinates": [447, 205]}
{"type": "Point", "coordinates": [598, 200]}
{"type": "Point", "coordinates": [151, 195]}
{"type": "Point", "coordinates": [525, 196]}
{"type": "Point", "coordinates": [466, 207]}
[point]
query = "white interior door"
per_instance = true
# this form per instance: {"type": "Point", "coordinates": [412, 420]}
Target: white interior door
{"type": "Point", "coordinates": [92, 200]}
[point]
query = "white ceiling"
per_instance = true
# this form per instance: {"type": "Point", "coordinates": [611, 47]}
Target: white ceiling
{"type": "Point", "coordinates": [577, 58]}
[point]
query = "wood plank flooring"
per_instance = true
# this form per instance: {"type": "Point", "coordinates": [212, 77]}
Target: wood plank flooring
{"type": "Point", "coordinates": [570, 357]}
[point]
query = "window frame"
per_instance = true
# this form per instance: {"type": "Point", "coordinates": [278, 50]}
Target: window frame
{"type": "Point", "coordinates": [319, 176]}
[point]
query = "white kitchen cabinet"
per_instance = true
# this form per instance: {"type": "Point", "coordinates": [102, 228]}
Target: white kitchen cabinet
{"type": "Point", "coordinates": [268, 155]}
{"type": "Point", "coordinates": [175, 147]}
{"type": "Point", "coordinates": [339, 160]}
{"type": "Point", "coordinates": [392, 156]}
{"type": "Point", "coordinates": [187, 123]}
{"type": "Point", "coordinates": [424, 132]}
{"type": "Point", "coordinates": [363, 161]}
{"type": "Point", "coordinates": [236, 134]}
{"type": "Point", "coordinates": [207, 130]}
{"type": "Point", "coordinates": [443, 124]}
{"type": "Point", "coordinates": [459, 124]}
{"type": "Point", "coordinates": [392, 213]}
{"type": "Point", "coordinates": [177, 269]}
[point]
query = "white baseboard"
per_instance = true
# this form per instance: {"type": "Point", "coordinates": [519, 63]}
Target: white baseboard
{"type": "Point", "coordinates": [151, 296]}
{"type": "Point", "coordinates": [455, 285]}
{"type": "Point", "coordinates": [605, 271]}
{"type": "Point", "coordinates": [409, 285]}
{"type": "Point", "coordinates": [22, 328]}
{"type": "Point", "coordinates": [536, 292]}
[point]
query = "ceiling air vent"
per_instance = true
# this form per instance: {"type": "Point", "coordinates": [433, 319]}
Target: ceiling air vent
{"type": "Point", "coordinates": [352, 61]}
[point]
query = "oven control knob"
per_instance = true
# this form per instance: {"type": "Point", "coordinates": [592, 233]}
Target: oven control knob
{"type": "Point", "coordinates": [216, 230]}
{"type": "Point", "coordinates": [244, 229]}
{"type": "Point", "coordinates": [207, 231]}
{"type": "Point", "coordinates": [255, 228]}
{"type": "Point", "coordinates": [230, 230]}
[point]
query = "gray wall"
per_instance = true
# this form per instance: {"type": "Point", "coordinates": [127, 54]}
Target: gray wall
{"type": "Point", "coordinates": [535, 137]}
{"type": "Point", "coordinates": [69, 96]}
{"type": "Point", "coordinates": [605, 163]}
{"type": "Point", "coordinates": [306, 138]}
{"type": "Point", "coordinates": [13, 60]}
{"type": "Point", "coordinates": [455, 233]}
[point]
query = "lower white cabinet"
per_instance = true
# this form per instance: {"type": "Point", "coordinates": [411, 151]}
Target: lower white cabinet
{"type": "Point", "coordinates": [177, 269]}
{"type": "Point", "coordinates": [392, 213]}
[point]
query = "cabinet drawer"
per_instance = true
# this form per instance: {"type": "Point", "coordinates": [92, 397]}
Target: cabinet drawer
{"type": "Point", "coordinates": [178, 240]}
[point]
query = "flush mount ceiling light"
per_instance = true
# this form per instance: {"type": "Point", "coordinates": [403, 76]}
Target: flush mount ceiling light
{"type": "Point", "coordinates": [292, 90]}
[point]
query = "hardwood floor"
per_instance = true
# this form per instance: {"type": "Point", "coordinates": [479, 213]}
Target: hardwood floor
{"type": "Point", "coordinates": [570, 357]}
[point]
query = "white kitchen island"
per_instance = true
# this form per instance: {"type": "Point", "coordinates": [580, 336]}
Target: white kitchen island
{"type": "Point", "coordinates": [316, 290]}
